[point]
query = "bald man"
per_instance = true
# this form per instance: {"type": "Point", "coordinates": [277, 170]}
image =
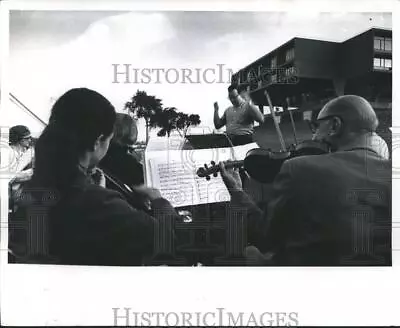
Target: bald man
{"type": "Point", "coordinates": [332, 209]}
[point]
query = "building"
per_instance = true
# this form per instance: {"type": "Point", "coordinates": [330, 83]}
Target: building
{"type": "Point", "coordinates": [306, 73]}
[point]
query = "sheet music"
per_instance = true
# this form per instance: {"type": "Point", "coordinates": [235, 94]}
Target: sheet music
{"type": "Point", "coordinates": [173, 172]}
{"type": "Point", "coordinates": [212, 191]}
{"type": "Point", "coordinates": [175, 181]}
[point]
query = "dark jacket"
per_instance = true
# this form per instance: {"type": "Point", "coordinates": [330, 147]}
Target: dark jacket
{"type": "Point", "coordinates": [88, 225]}
{"type": "Point", "coordinates": [330, 209]}
{"type": "Point", "coordinates": [122, 165]}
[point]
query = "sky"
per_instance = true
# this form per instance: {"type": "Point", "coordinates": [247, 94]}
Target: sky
{"type": "Point", "coordinates": [53, 51]}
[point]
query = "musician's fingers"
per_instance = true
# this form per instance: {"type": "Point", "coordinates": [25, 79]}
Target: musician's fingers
{"type": "Point", "coordinates": [224, 171]}
{"type": "Point", "coordinates": [222, 167]}
{"type": "Point", "coordinates": [229, 170]}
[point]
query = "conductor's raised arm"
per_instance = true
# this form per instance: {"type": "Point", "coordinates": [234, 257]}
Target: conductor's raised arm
{"type": "Point", "coordinates": [218, 122]}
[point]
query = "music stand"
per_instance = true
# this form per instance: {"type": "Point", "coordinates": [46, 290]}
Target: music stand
{"type": "Point", "coordinates": [205, 141]}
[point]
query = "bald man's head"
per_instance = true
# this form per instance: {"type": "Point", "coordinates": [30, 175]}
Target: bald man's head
{"type": "Point", "coordinates": [355, 112]}
{"type": "Point", "coordinates": [345, 119]}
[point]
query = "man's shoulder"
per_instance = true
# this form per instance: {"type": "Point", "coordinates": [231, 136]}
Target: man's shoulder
{"type": "Point", "coordinates": [313, 164]}
{"type": "Point", "coordinates": [337, 160]}
{"type": "Point", "coordinates": [307, 160]}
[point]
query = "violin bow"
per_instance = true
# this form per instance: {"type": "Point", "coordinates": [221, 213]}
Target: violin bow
{"type": "Point", "coordinates": [292, 121]}
{"type": "Point", "coordinates": [278, 129]}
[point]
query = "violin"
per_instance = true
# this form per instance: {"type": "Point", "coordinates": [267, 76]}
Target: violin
{"type": "Point", "coordinates": [269, 162]}
{"type": "Point", "coordinates": [132, 197]}
{"type": "Point", "coordinates": [263, 165]}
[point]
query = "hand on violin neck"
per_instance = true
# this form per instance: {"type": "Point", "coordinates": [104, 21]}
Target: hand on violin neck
{"type": "Point", "coordinates": [231, 178]}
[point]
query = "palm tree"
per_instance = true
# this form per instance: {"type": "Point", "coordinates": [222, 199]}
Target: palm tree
{"type": "Point", "coordinates": [193, 120]}
{"type": "Point", "coordinates": [170, 120]}
{"type": "Point", "coordinates": [167, 121]}
{"type": "Point", "coordinates": [147, 107]}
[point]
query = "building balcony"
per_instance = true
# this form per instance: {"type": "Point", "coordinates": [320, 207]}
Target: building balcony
{"type": "Point", "coordinates": [382, 69]}
{"type": "Point", "coordinates": [313, 105]}
{"type": "Point", "coordinates": [383, 51]}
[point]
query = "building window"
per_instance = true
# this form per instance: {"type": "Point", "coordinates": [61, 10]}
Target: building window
{"type": "Point", "coordinates": [273, 62]}
{"type": "Point", "coordinates": [381, 43]}
{"type": "Point", "coordinates": [388, 44]}
{"type": "Point", "coordinates": [289, 54]}
{"type": "Point", "coordinates": [382, 64]}
{"type": "Point", "coordinates": [377, 42]}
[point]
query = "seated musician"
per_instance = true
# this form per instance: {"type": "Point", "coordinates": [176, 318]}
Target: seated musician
{"type": "Point", "coordinates": [380, 145]}
{"type": "Point", "coordinates": [332, 209]}
{"type": "Point", "coordinates": [79, 222]}
{"type": "Point", "coordinates": [21, 155]}
{"type": "Point", "coordinates": [119, 162]}
{"type": "Point", "coordinates": [20, 160]}
{"type": "Point", "coordinates": [238, 118]}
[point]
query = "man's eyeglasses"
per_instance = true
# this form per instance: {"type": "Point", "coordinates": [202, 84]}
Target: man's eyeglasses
{"type": "Point", "coordinates": [314, 125]}
{"type": "Point", "coordinates": [26, 138]}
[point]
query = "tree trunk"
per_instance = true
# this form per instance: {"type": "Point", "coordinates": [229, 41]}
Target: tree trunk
{"type": "Point", "coordinates": [147, 131]}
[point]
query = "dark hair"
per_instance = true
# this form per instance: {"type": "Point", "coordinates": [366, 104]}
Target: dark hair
{"type": "Point", "coordinates": [125, 130]}
{"type": "Point", "coordinates": [232, 87]}
{"type": "Point", "coordinates": [77, 119]}
{"type": "Point", "coordinates": [17, 133]}
{"type": "Point", "coordinates": [242, 87]}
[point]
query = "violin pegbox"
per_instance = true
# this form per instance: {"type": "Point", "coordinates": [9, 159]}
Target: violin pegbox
{"type": "Point", "coordinates": [206, 171]}
{"type": "Point", "coordinates": [215, 169]}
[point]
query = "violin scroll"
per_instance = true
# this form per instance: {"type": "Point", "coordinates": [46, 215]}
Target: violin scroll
{"type": "Point", "coordinates": [206, 171]}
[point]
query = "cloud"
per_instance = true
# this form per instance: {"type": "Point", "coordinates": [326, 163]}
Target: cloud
{"type": "Point", "coordinates": [157, 40]}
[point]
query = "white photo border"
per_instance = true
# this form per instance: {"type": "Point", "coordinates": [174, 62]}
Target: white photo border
{"type": "Point", "coordinates": [34, 295]}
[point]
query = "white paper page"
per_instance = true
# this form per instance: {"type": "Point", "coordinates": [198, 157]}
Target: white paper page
{"type": "Point", "coordinates": [241, 151]}
{"type": "Point", "coordinates": [157, 144]}
{"type": "Point", "coordinates": [213, 190]}
{"type": "Point", "coordinates": [175, 182]}
{"type": "Point", "coordinates": [174, 174]}
{"type": "Point", "coordinates": [160, 147]}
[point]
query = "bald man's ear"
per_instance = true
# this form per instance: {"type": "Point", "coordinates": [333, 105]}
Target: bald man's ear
{"type": "Point", "coordinates": [337, 126]}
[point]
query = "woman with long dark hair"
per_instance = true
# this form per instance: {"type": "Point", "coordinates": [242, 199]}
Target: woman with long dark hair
{"type": "Point", "coordinates": [80, 222]}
